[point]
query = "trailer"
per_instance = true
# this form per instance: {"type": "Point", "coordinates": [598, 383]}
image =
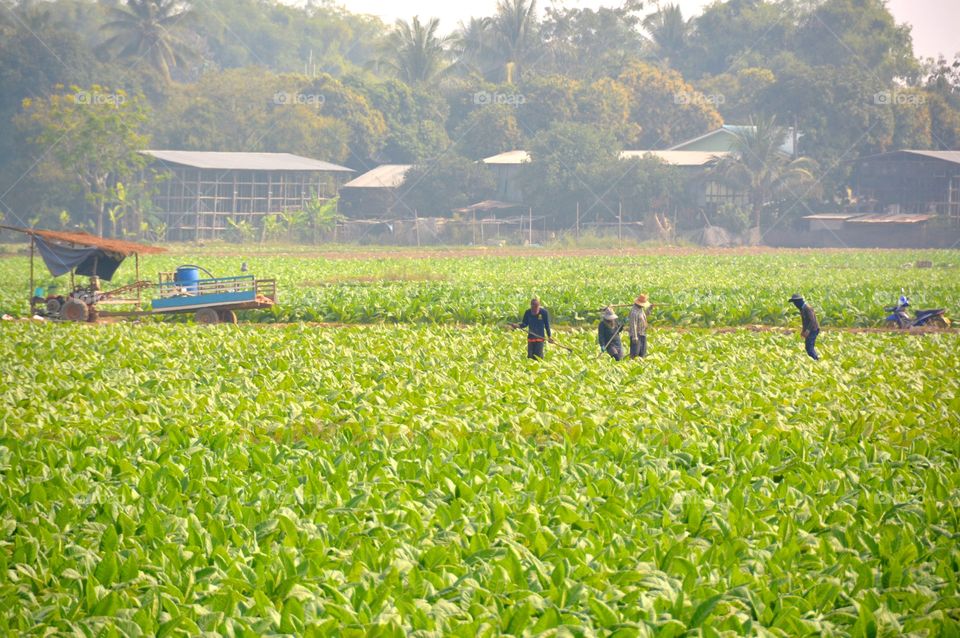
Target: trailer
{"type": "Point", "coordinates": [211, 299]}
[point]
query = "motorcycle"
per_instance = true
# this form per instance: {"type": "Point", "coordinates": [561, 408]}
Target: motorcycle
{"type": "Point", "coordinates": [901, 319]}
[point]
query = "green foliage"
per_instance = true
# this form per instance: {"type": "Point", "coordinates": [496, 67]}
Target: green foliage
{"type": "Point", "coordinates": [94, 135]}
{"type": "Point", "coordinates": [177, 479]}
{"type": "Point", "coordinates": [438, 188]}
{"type": "Point", "coordinates": [667, 108]}
{"type": "Point", "coordinates": [847, 288]}
{"type": "Point", "coordinates": [240, 232]}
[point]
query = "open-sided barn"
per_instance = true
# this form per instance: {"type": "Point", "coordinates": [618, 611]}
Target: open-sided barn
{"type": "Point", "coordinates": [200, 192]}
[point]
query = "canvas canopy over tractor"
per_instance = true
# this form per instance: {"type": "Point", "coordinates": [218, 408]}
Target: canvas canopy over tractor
{"type": "Point", "coordinates": [212, 299]}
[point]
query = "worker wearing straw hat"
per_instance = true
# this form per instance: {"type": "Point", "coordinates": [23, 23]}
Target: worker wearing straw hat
{"type": "Point", "coordinates": [637, 327]}
{"type": "Point", "coordinates": [608, 334]}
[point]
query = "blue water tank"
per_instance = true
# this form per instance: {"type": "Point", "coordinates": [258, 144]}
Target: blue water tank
{"type": "Point", "coordinates": [187, 277]}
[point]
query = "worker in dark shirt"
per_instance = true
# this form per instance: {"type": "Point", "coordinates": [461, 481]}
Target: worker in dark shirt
{"type": "Point", "coordinates": [608, 334]}
{"type": "Point", "coordinates": [537, 322]}
{"type": "Point", "coordinates": [810, 328]}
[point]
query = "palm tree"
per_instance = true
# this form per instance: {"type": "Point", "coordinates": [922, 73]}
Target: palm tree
{"type": "Point", "coordinates": [759, 165]}
{"type": "Point", "coordinates": [415, 52]}
{"type": "Point", "coordinates": [668, 31]}
{"type": "Point", "coordinates": [472, 44]}
{"type": "Point", "coordinates": [148, 30]}
{"type": "Point", "coordinates": [515, 29]}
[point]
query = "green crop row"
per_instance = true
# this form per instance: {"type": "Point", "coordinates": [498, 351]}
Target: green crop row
{"type": "Point", "coordinates": [428, 480]}
{"type": "Point", "coordinates": [848, 288]}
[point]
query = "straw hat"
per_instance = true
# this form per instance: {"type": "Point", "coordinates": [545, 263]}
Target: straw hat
{"type": "Point", "coordinates": [641, 301]}
{"type": "Point", "coordinates": [609, 314]}
{"type": "Point", "coordinates": [796, 297]}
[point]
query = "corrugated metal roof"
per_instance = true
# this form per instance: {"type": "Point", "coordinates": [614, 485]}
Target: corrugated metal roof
{"type": "Point", "coordinates": [947, 156]}
{"type": "Point", "coordinates": [383, 176]}
{"type": "Point", "coordinates": [676, 158]}
{"type": "Point", "coordinates": [831, 216]}
{"type": "Point", "coordinates": [118, 246]}
{"type": "Point", "coordinates": [889, 219]}
{"type": "Point", "coordinates": [508, 158]}
{"type": "Point", "coordinates": [679, 158]}
{"type": "Point", "coordinates": [219, 160]}
{"type": "Point", "coordinates": [738, 129]}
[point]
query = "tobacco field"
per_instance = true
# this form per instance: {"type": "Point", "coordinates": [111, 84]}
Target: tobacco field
{"type": "Point", "coordinates": [848, 288]}
{"type": "Point", "coordinates": [420, 479]}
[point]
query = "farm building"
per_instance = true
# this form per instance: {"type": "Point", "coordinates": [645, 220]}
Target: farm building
{"type": "Point", "coordinates": [721, 140]}
{"type": "Point", "coordinates": [200, 192]}
{"type": "Point", "coordinates": [852, 229]}
{"type": "Point", "coordinates": [910, 182]}
{"type": "Point", "coordinates": [506, 170]}
{"type": "Point", "coordinates": [376, 194]}
{"type": "Point", "coordinates": [706, 192]}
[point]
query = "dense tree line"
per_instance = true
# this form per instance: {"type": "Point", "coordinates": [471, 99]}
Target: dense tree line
{"type": "Point", "coordinates": [573, 86]}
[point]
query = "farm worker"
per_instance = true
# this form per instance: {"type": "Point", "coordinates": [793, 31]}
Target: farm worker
{"type": "Point", "coordinates": [537, 322]}
{"type": "Point", "coordinates": [637, 327]}
{"type": "Point", "coordinates": [810, 328]}
{"type": "Point", "coordinates": [608, 334]}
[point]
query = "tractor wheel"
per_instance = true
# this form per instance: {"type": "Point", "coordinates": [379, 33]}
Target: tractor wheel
{"type": "Point", "coordinates": [207, 315]}
{"type": "Point", "coordinates": [75, 310]}
{"type": "Point", "coordinates": [227, 316]}
{"type": "Point", "coordinates": [54, 307]}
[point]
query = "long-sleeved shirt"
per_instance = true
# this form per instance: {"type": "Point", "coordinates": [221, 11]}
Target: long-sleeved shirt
{"type": "Point", "coordinates": [637, 322]}
{"type": "Point", "coordinates": [608, 335]}
{"type": "Point", "coordinates": [809, 317]}
{"type": "Point", "coordinates": [537, 325]}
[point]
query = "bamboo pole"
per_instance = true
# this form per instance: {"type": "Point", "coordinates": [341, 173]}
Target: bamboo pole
{"type": "Point", "coordinates": [620, 223]}
{"type": "Point", "coordinates": [32, 309]}
{"type": "Point", "coordinates": [136, 265]}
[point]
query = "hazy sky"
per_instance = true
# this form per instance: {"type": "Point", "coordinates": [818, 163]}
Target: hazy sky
{"type": "Point", "coordinates": [935, 22]}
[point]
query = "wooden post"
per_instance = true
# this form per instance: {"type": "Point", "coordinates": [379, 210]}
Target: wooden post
{"type": "Point", "coordinates": [32, 309]}
{"type": "Point", "coordinates": [530, 230]}
{"type": "Point", "coordinates": [416, 226]}
{"type": "Point", "coordinates": [136, 265]}
{"type": "Point", "coordinates": [578, 220]}
{"type": "Point", "coordinates": [620, 223]}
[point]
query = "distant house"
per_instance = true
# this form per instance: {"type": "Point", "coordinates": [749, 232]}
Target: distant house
{"type": "Point", "coordinates": [721, 140]}
{"type": "Point", "coordinates": [375, 194]}
{"type": "Point", "coordinates": [703, 189]}
{"type": "Point", "coordinates": [914, 182]}
{"type": "Point", "coordinates": [506, 169]}
{"type": "Point", "coordinates": [202, 191]}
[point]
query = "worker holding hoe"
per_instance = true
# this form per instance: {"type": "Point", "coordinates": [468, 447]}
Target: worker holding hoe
{"type": "Point", "coordinates": [608, 334]}
{"type": "Point", "coordinates": [637, 327]}
{"type": "Point", "coordinates": [810, 328]}
{"type": "Point", "coordinates": [537, 322]}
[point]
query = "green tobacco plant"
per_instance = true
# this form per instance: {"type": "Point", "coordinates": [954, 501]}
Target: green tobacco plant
{"type": "Point", "coordinates": [172, 479]}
